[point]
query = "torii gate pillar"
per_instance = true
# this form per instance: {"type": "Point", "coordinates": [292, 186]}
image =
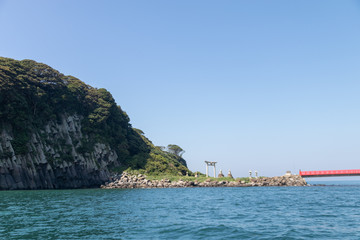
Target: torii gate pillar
{"type": "Point", "coordinates": [207, 168]}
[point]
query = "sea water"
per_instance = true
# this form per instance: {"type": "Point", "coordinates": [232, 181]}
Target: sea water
{"type": "Point", "coordinates": [318, 212]}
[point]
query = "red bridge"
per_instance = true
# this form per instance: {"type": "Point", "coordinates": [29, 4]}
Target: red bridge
{"type": "Point", "coordinates": [330, 173]}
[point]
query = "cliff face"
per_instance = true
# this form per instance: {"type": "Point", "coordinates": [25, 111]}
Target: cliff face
{"type": "Point", "coordinates": [55, 159]}
{"type": "Point", "coordinates": [58, 132]}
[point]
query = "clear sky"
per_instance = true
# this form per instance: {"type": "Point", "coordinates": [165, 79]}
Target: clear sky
{"type": "Point", "coordinates": [262, 85]}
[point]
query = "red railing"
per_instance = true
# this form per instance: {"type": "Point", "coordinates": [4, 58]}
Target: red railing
{"type": "Point", "coordinates": [330, 173]}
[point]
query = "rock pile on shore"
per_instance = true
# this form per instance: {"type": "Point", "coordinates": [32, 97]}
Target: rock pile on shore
{"type": "Point", "coordinates": [292, 180]}
{"type": "Point", "coordinates": [132, 181]}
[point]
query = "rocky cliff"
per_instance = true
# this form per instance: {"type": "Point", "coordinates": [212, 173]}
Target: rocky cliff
{"type": "Point", "coordinates": [54, 160]}
{"type": "Point", "coordinates": [58, 132]}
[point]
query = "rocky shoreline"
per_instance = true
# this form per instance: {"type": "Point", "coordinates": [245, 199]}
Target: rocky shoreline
{"type": "Point", "coordinates": [139, 181]}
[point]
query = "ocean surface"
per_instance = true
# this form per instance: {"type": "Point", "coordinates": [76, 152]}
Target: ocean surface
{"type": "Point", "coordinates": [317, 212]}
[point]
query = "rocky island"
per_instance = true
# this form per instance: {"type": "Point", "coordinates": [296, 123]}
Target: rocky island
{"type": "Point", "coordinates": [57, 132]}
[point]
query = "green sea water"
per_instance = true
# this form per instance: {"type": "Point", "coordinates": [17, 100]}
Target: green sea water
{"type": "Point", "coordinates": [187, 213]}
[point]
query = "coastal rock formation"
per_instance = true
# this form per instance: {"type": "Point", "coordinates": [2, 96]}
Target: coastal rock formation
{"type": "Point", "coordinates": [55, 159]}
{"type": "Point", "coordinates": [132, 181]}
{"type": "Point", "coordinates": [287, 180]}
{"type": "Point", "coordinates": [58, 132]}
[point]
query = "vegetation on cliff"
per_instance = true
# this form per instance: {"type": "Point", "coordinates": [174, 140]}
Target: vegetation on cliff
{"type": "Point", "coordinates": [161, 162]}
{"type": "Point", "coordinates": [32, 94]}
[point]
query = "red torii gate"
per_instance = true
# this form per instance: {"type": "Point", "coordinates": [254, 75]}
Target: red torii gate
{"type": "Point", "coordinates": [330, 173]}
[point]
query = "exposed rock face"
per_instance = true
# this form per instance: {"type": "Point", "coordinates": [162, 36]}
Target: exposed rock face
{"type": "Point", "coordinates": [56, 159]}
{"type": "Point", "coordinates": [140, 181]}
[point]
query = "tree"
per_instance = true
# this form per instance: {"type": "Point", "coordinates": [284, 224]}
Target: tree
{"type": "Point", "coordinates": [175, 149]}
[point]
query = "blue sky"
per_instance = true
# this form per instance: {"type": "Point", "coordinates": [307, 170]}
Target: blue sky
{"type": "Point", "coordinates": [262, 85]}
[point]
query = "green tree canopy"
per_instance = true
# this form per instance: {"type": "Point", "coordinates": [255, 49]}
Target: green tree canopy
{"type": "Point", "coordinates": [175, 149]}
